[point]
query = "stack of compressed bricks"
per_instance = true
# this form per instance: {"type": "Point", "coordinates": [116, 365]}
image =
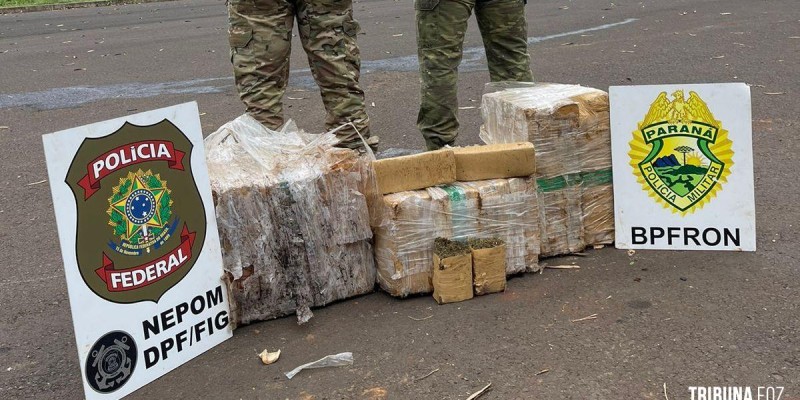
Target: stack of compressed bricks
{"type": "Point", "coordinates": [293, 221]}
{"type": "Point", "coordinates": [569, 197]}
{"type": "Point", "coordinates": [504, 209]}
{"type": "Point", "coordinates": [569, 128]}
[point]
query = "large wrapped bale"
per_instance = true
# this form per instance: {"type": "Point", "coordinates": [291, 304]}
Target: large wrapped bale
{"type": "Point", "coordinates": [293, 219]}
{"type": "Point", "coordinates": [567, 124]}
{"type": "Point", "coordinates": [527, 220]}
{"type": "Point", "coordinates": [569, 127]}
{"type": "Point", "coordinates": [461, 213]}
{"type": "Point", "coordinates": [561, 215]}
{"type": "Point", "coordinates": [505, 209]}
{"type": "Point", "coordinates": [598, 208]}
{"type": "Point", "coordinates": [404, 242]}
{"type": "Point", "coordinates": [509, 212]}
{"type": "Point", "coordinates": [593, 138]}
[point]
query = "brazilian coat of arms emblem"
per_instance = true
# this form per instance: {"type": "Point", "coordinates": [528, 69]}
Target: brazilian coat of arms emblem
{"type": "Point", "coordinates": [139, 210]}
{"type": "Point", "coordinates": [681, 154]}
{"type": "Point", "coordinates": [140, 220]}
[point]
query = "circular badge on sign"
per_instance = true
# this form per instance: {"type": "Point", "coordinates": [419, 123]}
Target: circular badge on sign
{"type": "Point", "coordinates": [111, 362]}
{"type": "Point", "coordinates": [139, 207]}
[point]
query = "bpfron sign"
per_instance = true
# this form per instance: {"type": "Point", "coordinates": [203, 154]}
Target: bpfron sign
{"type": "Point", "coordinates": [140, 246]}
{"type": "Point", "coordinates": [683, 169]}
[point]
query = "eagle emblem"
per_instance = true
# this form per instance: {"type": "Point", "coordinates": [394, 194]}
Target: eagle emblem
{"type": "Point", "coordinates": [680, 153]}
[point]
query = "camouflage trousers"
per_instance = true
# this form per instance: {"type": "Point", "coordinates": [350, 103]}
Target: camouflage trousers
{"type": "Point", "coordinates": [441, 25]}
{"type": "Point", "coordinates": [260, 33]}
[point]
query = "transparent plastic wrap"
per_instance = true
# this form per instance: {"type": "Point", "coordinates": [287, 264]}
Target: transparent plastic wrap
{"type": "Point", "coordinates": [561, 215]}
{"type": "Point", "coordinates": [509, 212]}
{"type": "Point", "coordinates": [597, 200]}
{"type": "Point", "coordinates": [293, 219]}
{"type": "Point", "coordinates": [569, 128]}
{"type": "Point", "coordinates": [505, 209]}
{"type": "Point", "coordinates": [404, 243]}
{"type": "Point", "coordinates": [333, 360]}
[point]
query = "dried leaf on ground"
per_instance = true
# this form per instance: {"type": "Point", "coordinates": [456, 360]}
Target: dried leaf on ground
{"type": "Point", "coordinates": [376, 393]}
{"type": "Point", "coordinates": [563, 266]}
{"type": "Point", "coordinates": [479, 393]}
{"type": "Point", "coordinates": [426, 375]}
{"type": "Point", "coordinates": [588, 318]}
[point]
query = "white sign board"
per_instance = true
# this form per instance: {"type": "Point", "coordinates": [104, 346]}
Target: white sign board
{"type": "Point", "coordinates": [140, 246]}
{"type": "Point", "coordinates": [683, 167]}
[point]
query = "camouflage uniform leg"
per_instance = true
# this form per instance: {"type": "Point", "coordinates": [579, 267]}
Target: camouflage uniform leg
{"type": "Point", "coordinates": [260, 39]}
{"type": "Point", "coordinates": [440, 40]}
{"type": "Point", "coordinates": [328, 33]}
{"type": "Point", "coordinates": [505, 37]}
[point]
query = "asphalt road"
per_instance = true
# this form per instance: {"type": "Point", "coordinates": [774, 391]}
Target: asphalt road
{"type": "Point", "coordinates": [664, 318]}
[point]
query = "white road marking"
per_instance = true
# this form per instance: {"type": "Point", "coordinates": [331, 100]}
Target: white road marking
{"type": "Point", "coordinates": [56, 98]}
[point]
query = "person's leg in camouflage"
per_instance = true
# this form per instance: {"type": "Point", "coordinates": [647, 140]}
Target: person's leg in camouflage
{"type": "Point", "coordinates": [505, 37]}
{"type": "Point", "coordinates": [260, 39]}
{"type": "Point", "coordinates": [328, 33]}
{"type": "Point", "coordinates": [440, 41]}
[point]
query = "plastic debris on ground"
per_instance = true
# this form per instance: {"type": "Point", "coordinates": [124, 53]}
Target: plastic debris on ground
{"type": "Point", "coordinates": [335, 360]}
{"type": "Point", "coordinates": [292, 217]}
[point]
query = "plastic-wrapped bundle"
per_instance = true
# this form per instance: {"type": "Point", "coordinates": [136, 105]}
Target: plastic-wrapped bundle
{"type": "Point", "coordinates": [567, 124]}
{"type": "Point", "coordinates": [508, 211]}
{"type": "Point", "coordinates": [499, 208]}
{"type": "Point", "coordinates": [561, 213]}
{"type": "Point", "coordinates": [404, 242]}
{"type": "Point", "coordinates": [293, 219]}
{"type": "Point", "coordinates": [569, 127]}
{"type": "Point", "coordinates": [598, 207]}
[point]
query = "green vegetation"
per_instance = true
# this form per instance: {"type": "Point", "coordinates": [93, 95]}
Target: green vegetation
{"type": "Point", "coordinates": [445, 248]}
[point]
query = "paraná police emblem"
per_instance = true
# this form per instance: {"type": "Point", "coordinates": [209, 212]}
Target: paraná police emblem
{"type": "Point", "coordinates": [681, 155]}
{"type": "Point", "coordinates": [141, 221]}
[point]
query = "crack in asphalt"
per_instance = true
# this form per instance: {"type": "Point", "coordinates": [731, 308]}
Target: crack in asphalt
{"type": "Point", "coordinates": [67, 97]}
